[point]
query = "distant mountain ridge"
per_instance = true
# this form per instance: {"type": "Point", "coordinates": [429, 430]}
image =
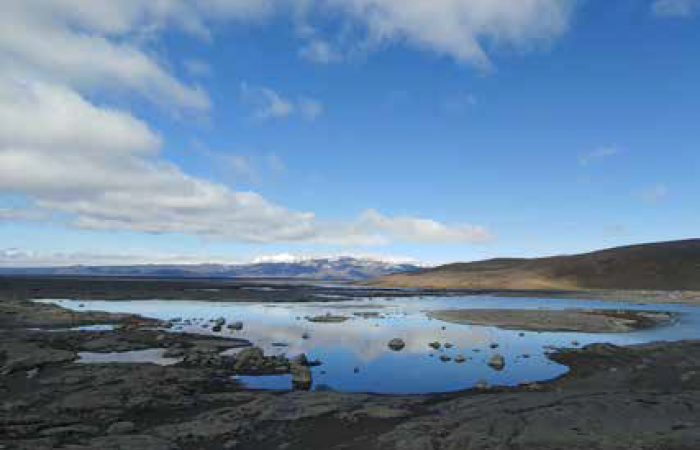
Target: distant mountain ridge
{"type": "Point", "coordinates": [671, 265]}
{"type": "Point", "coordinates": [337, 268]}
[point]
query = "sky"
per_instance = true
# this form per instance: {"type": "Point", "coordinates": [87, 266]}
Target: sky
{"type": "Point", "coordinates": [187, 131]}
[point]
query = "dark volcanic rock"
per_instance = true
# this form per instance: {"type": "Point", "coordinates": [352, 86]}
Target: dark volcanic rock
{"type": "Point", "coordinates": [25, 356]}
{"type": "Point", "coordinates": [397, 344]}
{"type": "Point", "coordinates": [614, 398]}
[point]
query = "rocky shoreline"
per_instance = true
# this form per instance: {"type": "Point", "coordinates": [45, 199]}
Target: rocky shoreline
{"type": "Point", "coordinates": [282, 290]}
{"type": "Point", "coordinates": [640, 397]}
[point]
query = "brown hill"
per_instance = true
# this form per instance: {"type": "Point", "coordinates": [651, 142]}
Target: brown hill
{"type": "Point", "coordinates": [658, 266]}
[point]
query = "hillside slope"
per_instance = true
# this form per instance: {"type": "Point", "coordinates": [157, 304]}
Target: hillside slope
{"type": "Point", "coordinates": [658, 266]}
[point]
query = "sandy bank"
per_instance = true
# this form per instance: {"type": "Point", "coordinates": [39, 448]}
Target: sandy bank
{"type": "Point", "coordinates": [580, 320]}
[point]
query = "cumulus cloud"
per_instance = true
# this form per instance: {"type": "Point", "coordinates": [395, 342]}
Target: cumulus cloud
{"type": "Point", "coordinates": [15, 257]}
{"type": "Point", "coordinates": [99, 167]}
{"type": "Point", "coordinates": [320, 51]}
{"type": "Point", "coordinates": [102, 168]}
{"type": "Point", "coordinates": [266, 103]}
{"type": "Point", "coordinates": [309, 108]}
{"type": "Point", "coordinates": [462, 29]}
{"type": "Point", "coordinates": [269, 104]}
{"type": "Point", "coordinates": [82, 45]}
{"type": "Point", "coordinates": [597, 154]}
{"type": "Point", "coordinates": [22, 215]}
{"type": "Point", "coordinates": [415, 229]}
{"type": "Point", "coordinates": [198, 68]}
{"type": "Point", "coordinates": [675, 8]}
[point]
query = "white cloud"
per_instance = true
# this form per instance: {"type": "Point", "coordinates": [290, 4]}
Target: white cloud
{"type": "Point", "coordinates": [14, 257]}
{"type": "Point", "coordinates": [320, 51]}
{"type": "Point", "coordinates": [98, 167]}
{"type": "Point", "coordinates": [675, 8]}
{"type": "Point", "coordinates": [198, 68]}
{"type": "Point", "coordinates": [102, 168]}
{"type": "Point", "coordinates": [310, 109]}
{"type": "Point", "coordinates": [462, 29]}
{"type": "Point", "coordinates": [22, 215]}
{"type": "Point", "coordinates": [84, 45]}
{"type": "Point", "coordinates": [243, 166]}
{"type": "Point", "coordinates": [655, 193]}
{"type": "Point", "coordinates": [415, 229]}
{"type": "Point", "coordinates": [268, 104]}
{"type": "Point", "coordinates": [597, 154]}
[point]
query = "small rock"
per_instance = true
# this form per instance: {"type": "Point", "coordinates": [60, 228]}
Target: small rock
{"type": "Point", "coordinates": [482, 385]}
{"type": "Point", "coordinates": [300, 359]}
{"type": "Point", "coordinates": [236, 326]}
{"type": "Point", "coordinates": [448, 345]}
{"type": "Point", "coordinates": [249, 357]}
{"type": "Point", "coordinates": [231, 444]}
{"type": "Point", "coordinates": [328, 318]}
{"type": "Point", "coordinates": [301, 376]}
{"type": "Point", "coordinates": [460, 359]}
{"type": "Point", "coordinates": [435, 345]}
{"type": "Point", "coordinates": [445, 358]}
{"type": "Point", "coordinates": [494, 345]}
{"type": "Point", "coordinates": [174, 352]}
{"type": "Point", "coordinates": [121, 428]}
{"type": "Point", "coordinates": [397, 344]}
{"type": "Point", "coordinates": [688, 376]}
{"type": "Point", "coordinates": [497, 362]}
{"type": "Point", "coordinates": [70, 430]}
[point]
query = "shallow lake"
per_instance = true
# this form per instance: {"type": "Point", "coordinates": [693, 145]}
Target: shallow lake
{"type": "Point", "coordinates": [355, 354]}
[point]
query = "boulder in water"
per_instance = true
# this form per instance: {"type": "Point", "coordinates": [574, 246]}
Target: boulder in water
{"type": "Point", "coordinates": [397, 344]}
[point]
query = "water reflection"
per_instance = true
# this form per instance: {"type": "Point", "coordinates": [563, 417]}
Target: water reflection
{"type": "Point", "coordinates": [355, 353]}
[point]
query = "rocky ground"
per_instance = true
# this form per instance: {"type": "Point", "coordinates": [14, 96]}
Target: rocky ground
{"type": "Point", "coordinates": [581, 320]}
{"type": "Point", "coordinates": [281, 290]}
{"type": "Point", "coordinates": [640, 397]}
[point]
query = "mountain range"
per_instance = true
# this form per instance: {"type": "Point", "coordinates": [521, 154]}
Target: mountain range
{"type": "Point", "coordinates": [338, 268]}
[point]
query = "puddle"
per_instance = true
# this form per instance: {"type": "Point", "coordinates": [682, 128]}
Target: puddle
{"type": "Point", "coordinates": [152, 355]}
{"type": "Point", "coordinates": [355, 353]}
{"type": "Point", "coordinates": [104, 327]}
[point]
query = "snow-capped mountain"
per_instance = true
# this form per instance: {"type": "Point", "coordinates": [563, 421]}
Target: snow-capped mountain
{"type": "Point", "coordinates": [274, 266]}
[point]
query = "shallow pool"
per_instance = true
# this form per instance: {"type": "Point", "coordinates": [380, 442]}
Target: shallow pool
{"type": "Point", "coordinates": [355, 354]}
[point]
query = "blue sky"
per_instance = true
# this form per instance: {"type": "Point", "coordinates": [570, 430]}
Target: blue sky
{"type": "Point", "coordinates": [219, 130]}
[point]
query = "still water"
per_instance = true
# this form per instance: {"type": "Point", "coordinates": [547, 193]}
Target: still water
{"type": "Point", "coordinates": [355, 354]}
